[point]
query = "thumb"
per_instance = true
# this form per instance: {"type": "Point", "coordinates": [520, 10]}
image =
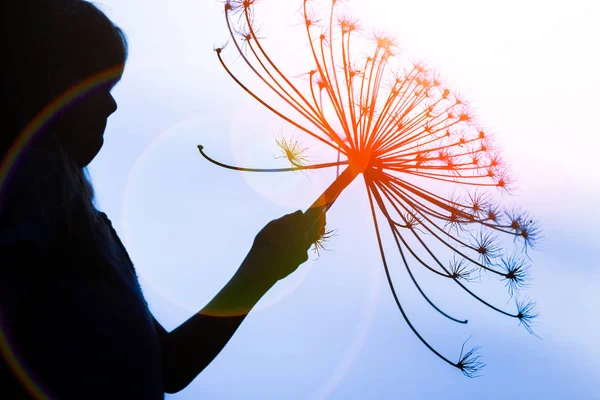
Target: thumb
{"type": "Point", "coordinates": [314, 223]}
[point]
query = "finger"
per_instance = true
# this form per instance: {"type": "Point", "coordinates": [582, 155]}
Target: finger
{"type": "Point", "coordinates": [322, 223]}
{"type": "Point", "coordinates": [288, 217]}
{"type": "Point", "coordinates": [307, 243]}
{"type": "Point", "coordinates": [315, 222]}
{"type": "Point", "coordinates": [316, 231]}
{"type": "Point", "coordinates": [304, 257]}
{"type": "Point", "coordinates": [296, 214]}
{"type": "Point", "coordinates": [315, 213]}
{"type": "Point", "coordinates": [292, 221]}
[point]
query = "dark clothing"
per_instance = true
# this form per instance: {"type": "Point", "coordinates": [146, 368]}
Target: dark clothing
{"type": "Point", "coordinates": [70, 303]}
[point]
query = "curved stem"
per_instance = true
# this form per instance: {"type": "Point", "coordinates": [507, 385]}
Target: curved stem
{"type": "Point", "coordinates": [393, 290]}
{"type": "Point", "coordinates": [305, 167]}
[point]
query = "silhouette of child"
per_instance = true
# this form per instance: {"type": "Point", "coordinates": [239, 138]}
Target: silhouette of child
{"type": "Point", "coordinates": [73, 321]}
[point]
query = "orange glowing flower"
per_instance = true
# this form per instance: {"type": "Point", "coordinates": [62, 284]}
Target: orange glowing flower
{"type": "Point", "coordinates": [412, 138]}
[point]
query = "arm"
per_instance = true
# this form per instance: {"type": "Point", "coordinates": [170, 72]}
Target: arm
{"type": "Point", "coordinates": [278, 250]}
{"type": "Point", "coordinates": [192, 346]}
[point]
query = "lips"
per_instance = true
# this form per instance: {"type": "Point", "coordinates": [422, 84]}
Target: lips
{"type": "Point", "coordinates": [98, 127]}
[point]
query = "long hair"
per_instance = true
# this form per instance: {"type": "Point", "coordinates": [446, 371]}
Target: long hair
{"type": "Point", "coordinates": [42, 39]}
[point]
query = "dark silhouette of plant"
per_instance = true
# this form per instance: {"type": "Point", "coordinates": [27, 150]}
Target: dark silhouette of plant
{"type": "Point", "coordinates": [411, 137]}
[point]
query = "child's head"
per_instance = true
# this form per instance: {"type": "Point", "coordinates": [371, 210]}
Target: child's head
{"type": "Point", "coordinates": [53, 46]}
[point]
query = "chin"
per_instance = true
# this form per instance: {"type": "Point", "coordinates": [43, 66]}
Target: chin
{"type": "Point", "coordinates": [84, 159]}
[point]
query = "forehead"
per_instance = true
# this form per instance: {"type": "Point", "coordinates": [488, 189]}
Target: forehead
{"type": "Point", "coordinates": [96, 55]}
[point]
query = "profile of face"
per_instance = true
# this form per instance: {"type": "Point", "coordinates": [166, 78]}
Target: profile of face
{"type": "Point", "coordinates": [77, 49]}
{"type": "Point", "coordinates": [80, 126]}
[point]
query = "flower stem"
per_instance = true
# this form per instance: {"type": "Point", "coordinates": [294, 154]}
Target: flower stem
{"type": "Point", "coordinates": [330, 195]}
{"type": "Point", "coordinates": [298, 168]}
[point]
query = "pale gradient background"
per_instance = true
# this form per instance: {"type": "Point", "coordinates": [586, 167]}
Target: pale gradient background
{"type": "Point", "coordinates": [530, 69]}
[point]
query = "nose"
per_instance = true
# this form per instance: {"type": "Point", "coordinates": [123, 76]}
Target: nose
{"type": "Point", "coordinates": [112, 104]}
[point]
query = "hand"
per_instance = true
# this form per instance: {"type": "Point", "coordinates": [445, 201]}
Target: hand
{"type": "Point", "coordinates": [282, 245]}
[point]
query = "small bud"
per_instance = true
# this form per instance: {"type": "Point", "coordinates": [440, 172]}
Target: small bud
{"type": "Point", "coordinates": [526, 313]}
{"type": "Point", "coordinates": [469, 363]}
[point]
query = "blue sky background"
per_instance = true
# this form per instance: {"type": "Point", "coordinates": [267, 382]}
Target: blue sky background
{"type": "Point", "coordinates": [332, 330]}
